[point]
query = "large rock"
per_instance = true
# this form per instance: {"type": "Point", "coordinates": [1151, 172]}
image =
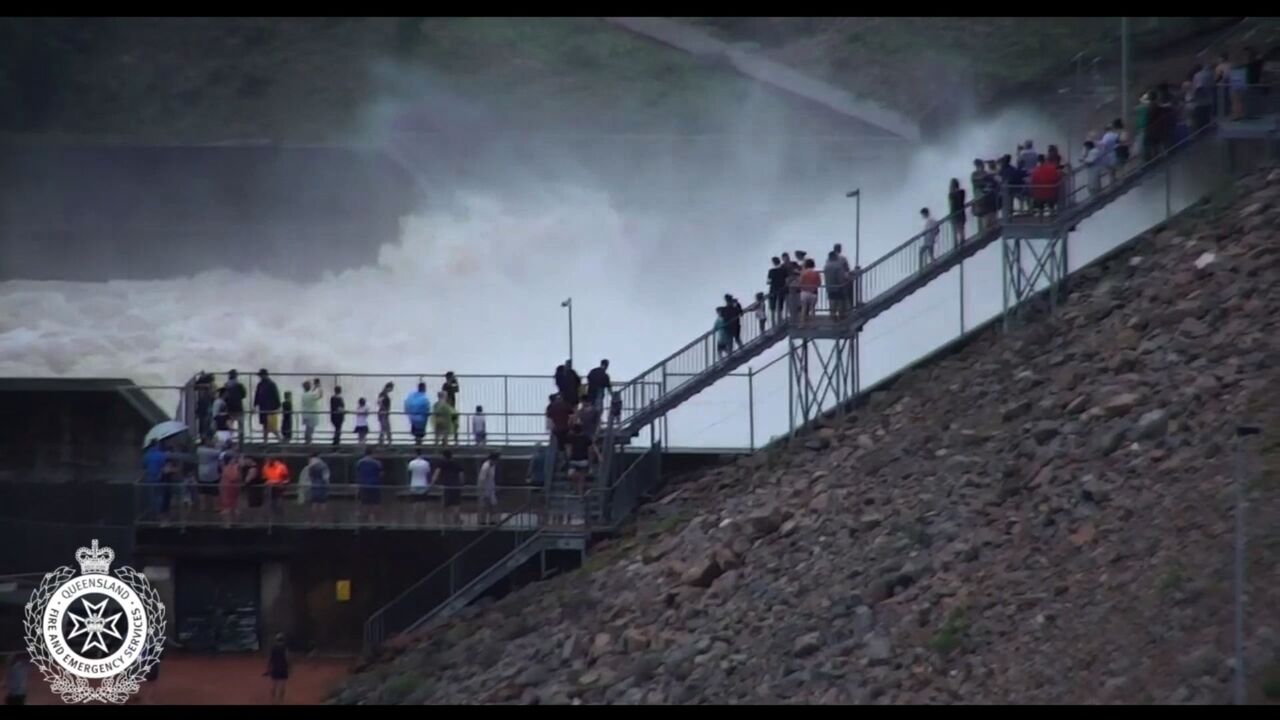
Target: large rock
{"type": "Point", "coordinates": [1120, 404]}
{"type": "Point", "coordinates": [1153, 424]}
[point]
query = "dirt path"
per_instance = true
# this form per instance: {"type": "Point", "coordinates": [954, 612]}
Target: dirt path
{"type": "Point", "coordinates": [226, 680]}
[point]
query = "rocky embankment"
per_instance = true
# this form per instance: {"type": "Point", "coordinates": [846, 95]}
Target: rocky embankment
{"type": "Point", "coordinates": [1043, 516]}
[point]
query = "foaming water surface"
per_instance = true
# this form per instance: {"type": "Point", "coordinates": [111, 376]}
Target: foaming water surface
{"type": "Point", "coordinates": [475, 284]}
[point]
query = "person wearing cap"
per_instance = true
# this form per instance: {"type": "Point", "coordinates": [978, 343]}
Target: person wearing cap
{"type": "Point", "coordinates": [266, 400]}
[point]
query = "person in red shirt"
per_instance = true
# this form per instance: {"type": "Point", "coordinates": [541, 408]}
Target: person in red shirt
{"type": "Point", "coordinates": [558, 413]}
{"type": "Point", "coordinates": [810, 281]}
{"type": "Point", "coordinates": [1045, 179]}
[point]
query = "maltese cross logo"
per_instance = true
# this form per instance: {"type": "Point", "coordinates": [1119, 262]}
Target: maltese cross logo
{"type": "Point", "coordinates": [93, 625]}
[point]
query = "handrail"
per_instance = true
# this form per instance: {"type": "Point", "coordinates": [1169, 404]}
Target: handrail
{"type": "Point", "coordinates": [375, 627]}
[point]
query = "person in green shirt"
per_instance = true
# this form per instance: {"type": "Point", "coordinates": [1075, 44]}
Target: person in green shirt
{"type": "Point", "coordinates": [442, 416]}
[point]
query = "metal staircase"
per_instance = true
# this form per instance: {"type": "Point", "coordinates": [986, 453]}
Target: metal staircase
{"type": "Point", "coordinates": [881, 285]}
{"type": "Point", "coordinates": [568, 520]}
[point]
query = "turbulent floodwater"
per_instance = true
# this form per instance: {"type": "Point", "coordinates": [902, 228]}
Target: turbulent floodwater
{"type": "Point", "coordinates": [477, 288]}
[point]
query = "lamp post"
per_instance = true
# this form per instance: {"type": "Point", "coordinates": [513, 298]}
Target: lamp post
{"type": "Point", "coordinates": [568, 303]}
{"type": "Point", "coordinates": [857, 227]}
{"type": "Point", "coordinates": [1124, 70]}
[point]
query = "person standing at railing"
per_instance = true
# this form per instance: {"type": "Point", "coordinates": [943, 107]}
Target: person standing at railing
{"type": "Point", "coordinates": [479, 433]}
{"type": "Point", "coordinates": [955, 203]}
{"type": "Point", "coordinates": [266, 401]}
{"type": "Point", "coordinates": [448, 474]}
{"type": "Point", "coordinates": [451, 390]}
{"type": "Point", "coordinates": [720, 331]}
{"type": "Point", "coordinates": [311, 396]}
{"type": "Point", "coordinates": [1093, 167]}
{"type": "Point", "coordinates": [1238, 80]}
{"type": "Point", "coordinates": [229, 484]}
{"type": "Point", "coordinates": [487, 488]}
{"type": "Point", "coordinates": [235, 399]}
{"type": "Point", "coordinates": [419, 484]}
{"type": "Point", "coordinates": [598, 382]}
{"type": "Point", "coordinates": [362, 421]}
{"type": "Point", "coordinates": [794, 270]}
{"type": "Point", "coordinates": [983, 198]}
{"type": "Point", "coordinates": [1107, 152]}
{"type": "Point", "coordinates": [221, 417]}
{"type": "Point", "coordinates": [733, 316]}
{"type": "Point", "coordinates": [276, 475]}
{"type": "Point", "coordinates": [568, 382]}
{"type": "Point", "coordinates": [313, 486]}
{"type": "Point", "coordinates": [417, 406]}
{"type": "Point", "coordinates": [810, 281]}
{"type": "Point", "coordinates": [207, 456]}
{"type": "Point", "coordinates": [762, 318]}
{"type": "Point", "coordinates": [777, 279]}
{"type": "Point", "coordinates": [384, 414]}
{"type": "Point", "coordinates": [835, 275]}
{"type": "Point", "coordinates": [204, 402]}
{"type": "Point", "coordinates": [369, 480]}
{"type": "Point", "coordinates": [1027, 158]}
{"type": "Point", "coordinates": [286, 417]}
{"type": "Point", "coordinates": [1044, 186]}
{"type": "Point", "coordinates": [442, 419]}
{"type": "Point", "coordinates": [929, 240]}
{"type": "Point", "coordinates": [337, 413]}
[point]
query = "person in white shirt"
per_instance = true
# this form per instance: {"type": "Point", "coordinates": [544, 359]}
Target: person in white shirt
{"type": "Point", "coordinates": [478, 431]}
{"type": "Point", "coordinates": [1093, 164]}
{"type": "Point", "coordinates": [362, 421]}
{"type": "Point", "coordinates": [930, 238]}
{"type": "Point", "coordinates": [1107, 151]}
{"type": "Point", "coordinates": [419, 484]}
{"type": "Point", "coordinates": [487, 487]}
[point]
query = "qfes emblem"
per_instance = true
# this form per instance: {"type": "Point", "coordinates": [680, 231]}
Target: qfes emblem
{"type": "Point", "coordinates": [95, 626]}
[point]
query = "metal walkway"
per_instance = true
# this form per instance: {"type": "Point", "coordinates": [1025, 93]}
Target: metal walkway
{"type": "Point", "coordinates": [881, 285]}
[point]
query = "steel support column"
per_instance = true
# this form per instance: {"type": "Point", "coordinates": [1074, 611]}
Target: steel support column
{"type": "Point", "coordinates": [815, 387]}
{"type": "Point", "coordinates": [1045, 266]}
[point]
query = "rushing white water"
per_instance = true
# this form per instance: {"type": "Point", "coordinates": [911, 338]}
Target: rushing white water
{"type": "Point", "coordinates": [477, 287]}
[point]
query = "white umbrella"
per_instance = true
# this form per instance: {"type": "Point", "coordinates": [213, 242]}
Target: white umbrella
{"type": "Point", "coordinates": [166, 429]}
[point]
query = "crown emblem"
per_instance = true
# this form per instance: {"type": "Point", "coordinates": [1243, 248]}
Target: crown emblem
{"type": "Point", "coordinates": [95, 561]}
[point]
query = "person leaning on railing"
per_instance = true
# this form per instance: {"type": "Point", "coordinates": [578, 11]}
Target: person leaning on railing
{"type": "Point", "coordinates": [1045, 186]}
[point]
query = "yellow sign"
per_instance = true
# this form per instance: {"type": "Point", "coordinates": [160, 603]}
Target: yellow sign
{"type": "Point", "coordinates": [344, 590]}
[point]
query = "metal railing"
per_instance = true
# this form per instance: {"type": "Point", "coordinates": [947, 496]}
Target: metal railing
{"type": "Point", "coordinates": [1250, 102]}
{"type": "Point", "coordinates": [343, 506]}
{"type": "Point", "coordinates": [500, 429]}
{"type": "Point", "coordinates": [415, 605]}
{"type": "Point", "coordinates": [514, 405]}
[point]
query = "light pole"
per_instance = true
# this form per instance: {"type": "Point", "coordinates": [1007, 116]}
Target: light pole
{"type": "Point", "coordinates": [568, 303]}
{"type": "Point", "coordinates": [1124, 70]}
{"type": "Point", "coordinates": [857, 227]}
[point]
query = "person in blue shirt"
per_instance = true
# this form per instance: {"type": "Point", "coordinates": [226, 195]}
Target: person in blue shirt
{"type": "Point", "coordinates": [417, 406]}
{"type": "Point", "coordinates": [154, 461]}
{"type": "Point", "coordinates": [369, 479]}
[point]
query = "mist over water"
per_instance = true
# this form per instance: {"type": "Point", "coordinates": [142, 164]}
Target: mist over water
{"type": "Point", "coordinates": [475, 281]}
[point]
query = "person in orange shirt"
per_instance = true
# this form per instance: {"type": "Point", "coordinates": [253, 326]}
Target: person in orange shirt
{"type": "Point", "coordinates": [810, 281]}
{"type": "Point", "coordinates": [276, 473]}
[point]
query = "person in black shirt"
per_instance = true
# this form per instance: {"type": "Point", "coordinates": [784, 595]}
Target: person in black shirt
{"type": "Point", "coordinates": [448, 474]}
{"type": "Point", "coordinates": [286, 417]}
{"type": "Point", "coordinates": [733, 316]}
{"type": "Point", "coordinates": [266, 398]}
{"type": "Point", "coordinates": [204, 402]}
{"type": "Point", "coordinates": [598, 382]}
{"type": "Point", "coordinates": [581, 452]}
{"type": "Point", "coordinates": [337, 413]}
{"type": "Point", "coordinates": [384, 414]}
{"type": "Point", "coordinates": [777, 289]}
{"type": "Point", "coordinates": [235, 397]}
{"type": "Point", "coordinates": [569, 383]}
{"type": "Point", "coordinates": [955, 203]}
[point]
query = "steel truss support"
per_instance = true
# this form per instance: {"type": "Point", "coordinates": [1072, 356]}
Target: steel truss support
{"type": "Point", "coordinates": [1031, 265]}
{"type": "Point", "coordinates": [823, 373]}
